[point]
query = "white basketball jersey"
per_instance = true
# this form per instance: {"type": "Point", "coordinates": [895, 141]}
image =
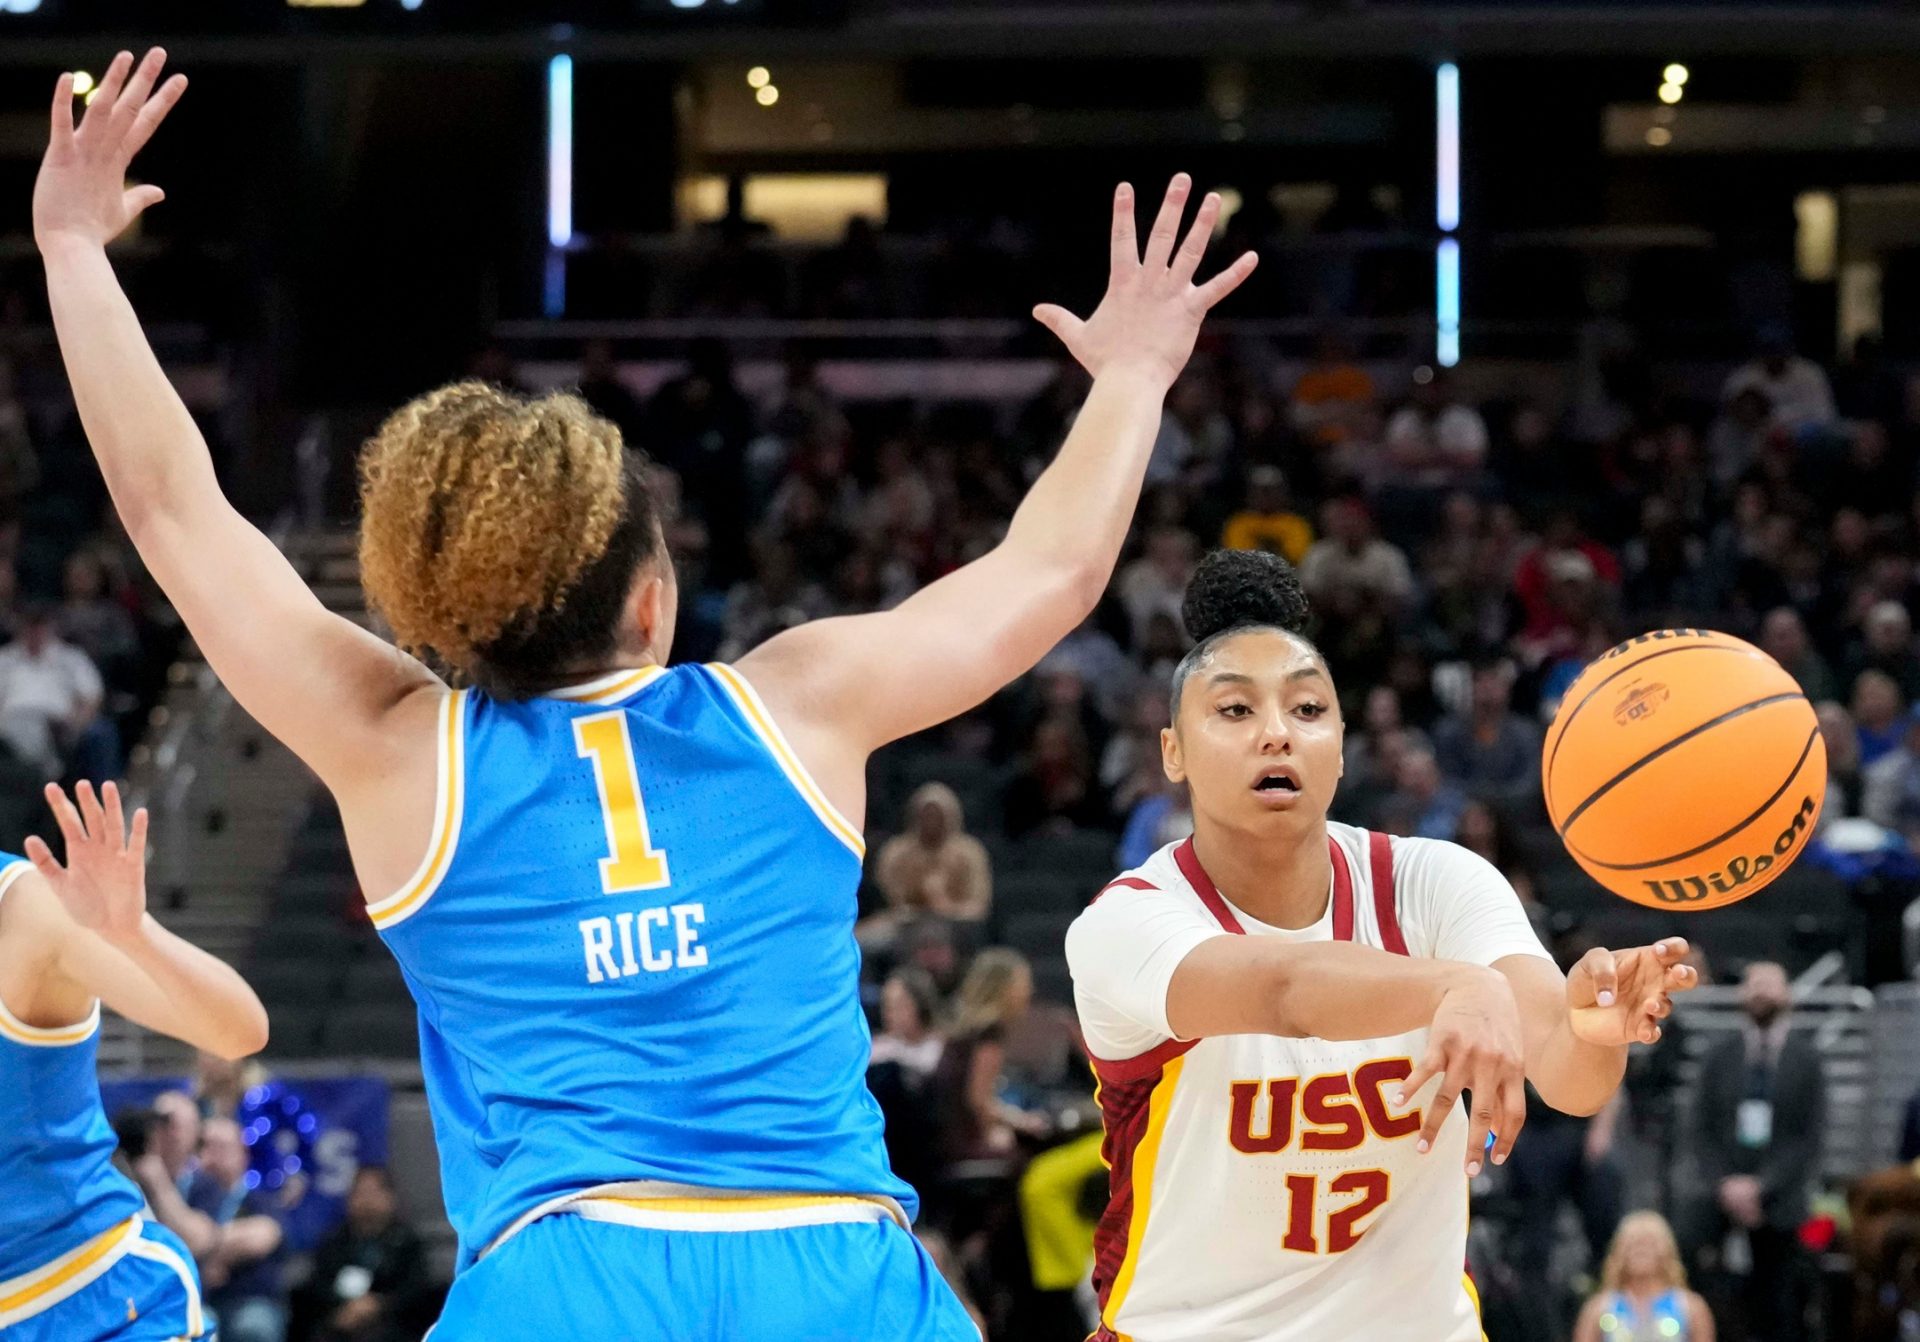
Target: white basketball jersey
{"type": "Point", "coordinates": [1266, 1189]}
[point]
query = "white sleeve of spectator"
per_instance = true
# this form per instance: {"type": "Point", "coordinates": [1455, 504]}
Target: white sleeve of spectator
{"type": "Point", "coordinates": [1460, 905]}
{"type": "Point", "coordinates": [1122, 952]}
{"type": "Point", "coordinates": [86, 676]}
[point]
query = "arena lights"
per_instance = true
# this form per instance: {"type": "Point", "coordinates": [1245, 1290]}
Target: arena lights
{"type": "Point", "coordinates": [82, 83]}
{"type": "Point", "coordinates": [759, 77]}
{"type": "Point", "coordinates": [18, 6]}
{"type": "Point", "coordinates": [559, 180]}
{"type": "Point", "coordinates": [1446, 213]}
{"type": "Point", "coordinates": [767, 95]}
{"type": "Point", "coordinates": [411, 4]}
{"type": "Point", "coordinates": [1676, 74]}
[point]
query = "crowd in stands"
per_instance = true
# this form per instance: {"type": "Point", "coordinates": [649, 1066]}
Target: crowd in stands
{"type": "Point", "coordinates": [363, 1275]}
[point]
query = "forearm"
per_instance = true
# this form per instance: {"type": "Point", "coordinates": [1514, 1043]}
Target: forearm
{"type": "Point", "coordinates": [209, 1005]}
{"type": "Point", "coordinates": [150, 451]}
{"type": "Point", "coordinates": [198, 1231]}
{"type": "Point", "coordinates": [1337, 990]}
{"type": "Point", "coordinates": [1076, 515]}
{"type": "Point", "coordinates": [1572, 1075]}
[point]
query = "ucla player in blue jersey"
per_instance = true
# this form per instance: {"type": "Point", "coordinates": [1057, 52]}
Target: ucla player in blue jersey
{"type": "Point", "coordinates": [78, 1260]}
{"type": "Point", "coordinates": [623, 896]}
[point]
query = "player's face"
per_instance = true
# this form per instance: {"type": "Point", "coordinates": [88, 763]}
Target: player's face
{"type": "Point", "coordinates": [1259, 734]}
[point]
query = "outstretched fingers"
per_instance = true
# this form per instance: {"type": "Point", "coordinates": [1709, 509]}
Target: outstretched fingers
{"type": "Point", "coordinates": [1209, 294]}
{"type": "Point", "coordinates": [1125, 253]}
{"type": "Point", "coordinates": [1166, 225]}
{"type": "Point", "coordinates": [63, 111]}
{"type": "Point", "coordinates": [1187, 260]}
{"type": "Point", "coordinates": [153, 113]}
{"type": "Point", "coordinates": [100, 107]}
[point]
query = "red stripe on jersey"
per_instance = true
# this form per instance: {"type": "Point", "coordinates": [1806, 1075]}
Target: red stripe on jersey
{"type": "Point", "coordinates": [1203, 886]}
{"type": "Point", "coordinates": [1142, 1066]}
{"type": "Point", "coordinates": [1124, 882]}
{"type": "Point", "coordinates": [1381, 850]}
{"type": "Point", "coordinates": [1124, 1110]}
{"type": "Point", "coordinates": [1342, 893]}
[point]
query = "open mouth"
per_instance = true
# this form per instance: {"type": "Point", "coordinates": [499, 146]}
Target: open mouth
{"type": "Point", "coordinates": [1277, 781]}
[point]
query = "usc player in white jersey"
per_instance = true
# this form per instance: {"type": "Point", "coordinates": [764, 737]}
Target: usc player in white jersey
{"type": "Point", "coordinates": [1284, 1012]}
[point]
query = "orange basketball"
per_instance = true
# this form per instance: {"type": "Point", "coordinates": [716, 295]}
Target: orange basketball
{"type": "Point", "coordinates": [1684, 770]}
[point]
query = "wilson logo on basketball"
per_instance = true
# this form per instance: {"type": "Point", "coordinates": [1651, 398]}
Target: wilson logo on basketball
{"type": "Point", "coordinates": [1737, 872]}
{"type": "Point", "coordinates": [1656, 636]}
{"type": "Point", "coordinates": [1639, 702]}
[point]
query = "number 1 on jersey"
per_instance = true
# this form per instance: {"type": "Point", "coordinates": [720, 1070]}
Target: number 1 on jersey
{"type": "Point", "coordinates": [634, 863]}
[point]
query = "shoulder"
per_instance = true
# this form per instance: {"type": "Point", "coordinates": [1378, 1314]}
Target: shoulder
{"type": "Point", "coordinates": [1440, 866]}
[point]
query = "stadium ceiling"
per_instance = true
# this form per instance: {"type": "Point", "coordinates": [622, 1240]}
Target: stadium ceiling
{"type": "Point", "coordinates": [244, 30]}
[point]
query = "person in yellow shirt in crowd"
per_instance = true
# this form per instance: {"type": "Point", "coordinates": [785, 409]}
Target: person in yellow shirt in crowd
{"type": "Point", "coordinates": [1268, 522]}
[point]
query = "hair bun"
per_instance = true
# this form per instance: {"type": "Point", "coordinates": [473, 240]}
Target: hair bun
{"type": "Point", "coordinates": [1233, 589]}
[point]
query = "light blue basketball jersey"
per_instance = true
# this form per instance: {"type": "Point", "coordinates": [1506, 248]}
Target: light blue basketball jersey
{"type": "Point", "coordinates": [59, 1190]}
{"type": "Point", "coordinates": [631, 944]}
{"type": "Point", "coordinates": [1665, 1319]}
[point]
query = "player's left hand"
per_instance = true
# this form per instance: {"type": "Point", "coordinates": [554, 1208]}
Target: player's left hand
{"type": "Point", "coordinates": [82, 190]}
{"type": "Point", "coordinates": [1620, 997]}
{"type": "Point", "coordinates": [104, 883]}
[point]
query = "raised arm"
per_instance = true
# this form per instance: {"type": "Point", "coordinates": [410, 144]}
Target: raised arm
{"type": "Point", "coordinates": [318, 682]}
{"type": "Point", "coordinates": [92, 915]}
{"type": "Point", "coordinates": [845, 687]}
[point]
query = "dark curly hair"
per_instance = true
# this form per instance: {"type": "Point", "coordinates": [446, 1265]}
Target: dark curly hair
{"type": "Point", "coordinates": [1232, 591]}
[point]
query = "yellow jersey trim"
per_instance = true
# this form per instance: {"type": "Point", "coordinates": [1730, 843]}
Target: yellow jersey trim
{"type": "Point", "coordinates": [26, 1295]}
{"type": "Point", "coordinates": [449, 802]}
{"type": "Point", "coordinates": [1145, 1158]}
{"type": "Point", "coordinates": [769, 732]}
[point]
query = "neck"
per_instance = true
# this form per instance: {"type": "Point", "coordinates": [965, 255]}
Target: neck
{"type": "Point", "coordinates": [1283, 879]}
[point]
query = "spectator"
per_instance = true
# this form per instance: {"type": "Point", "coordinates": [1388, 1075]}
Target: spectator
{"type": "Point", "coordinates": [1132, 760]}
{"type": "Point", "coordinates": [50, 698]}
{"type": "Point", "coordinates": [1490, 750]}
{"type": "Point", "coordinates": [1877, 712]}
{"type": "Point", "coordinates": [1759, 1116]}
{"type": "Point", "coordinates": [1334, 400]}
{"type": "Point", "coordinates": [93, 621]}
{"type": "Point", "coordinates": [1054, 790]}
{"type": "Point", "coordinates": [1269, 521]}
{"type": "Point", "coordinates": [1886, 645]}
{"type": "Point", "coordinates": [698, 425]}
{"type": "Point", "coordinates": [176, 1139]}
{"type": "Point", "coordinates": [1846, 780]}
{"type": "Point", "coordinates": [609, 397]}
{"type": "Point", "coordinates": [1435, 441]}
{"type": "Point", "coordinates": [909, 1006]}
{"type": "Point", "coordinates": [777, 597]}
{"type": "Point", "coordinates": [1643, 1290]}
{"type": "Point", "coordinates": [935, 866]}
{"type": "Point", "coordinates": [1560, 583]}
{"type": "Point", "coordinates": [1154, 583]}
{"type": "Point", "coordinates": [19, 466]}
{"type": "Point", "coordinates": [1092, 653]}
{"type": "Point", "coordinates": [370, 1280]}
{"type": "Point", "coordinates": [1783, 637]}
{"type": "Point", "coordinates": [1890, 787]}
{"type": "Point", "coordinates": [1350, 567]}
{"type": "Point", "coordinates": [1161, 814]}
{"type": "Point", "coordinates": [1371, 757]}
{"type": "Point", "coordinates": [1737, 436]}
{"type": "Point", "coordinates": [232, 1232]}
{"type": "Point", "coordinates": [1424, 805]}
{"type": "Point", "coordinates": [1795, 387]}
{"type": "Point", "coordinates": [993, 998]}
{"type": "Point", "coordinates": [1486, 830]}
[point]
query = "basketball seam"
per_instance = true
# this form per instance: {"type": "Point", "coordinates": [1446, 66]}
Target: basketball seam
{"type": "Point", "coordinates": [1673, 744]}
{"type": "Point", "coordinates": [1799, 766]}
{"type": "Point", "coordinates": [1553, 750]}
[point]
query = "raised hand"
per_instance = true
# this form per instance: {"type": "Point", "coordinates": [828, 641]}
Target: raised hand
{"type": "Point", "coordinates": [104, 883]}
{"type": "Point", "coordinates": [1620, 997]}
{"type": "Point", "coordinates": [82, 192]}
{"type": "Point", "coordinates": [1475, 1043]}
{"type": "Point", "coordinates": [1152, 310]}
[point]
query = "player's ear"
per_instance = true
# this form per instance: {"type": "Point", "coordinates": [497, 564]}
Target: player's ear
{"type": "Point", "coordinates": [1171, 757]}
{"type": "Point", "coordinates": [650, 607]}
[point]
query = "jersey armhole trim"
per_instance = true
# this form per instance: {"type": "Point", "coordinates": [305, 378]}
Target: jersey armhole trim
{"type": "Point", "coordinates": [37, 1036]}
{"type": "Point", "coordinates": [769, 733]}
{"type": "Point", "coordinates": [448, 804]}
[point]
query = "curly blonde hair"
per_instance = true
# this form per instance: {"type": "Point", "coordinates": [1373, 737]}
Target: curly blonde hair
{"type": "Point", "coordinates": [500, 533]}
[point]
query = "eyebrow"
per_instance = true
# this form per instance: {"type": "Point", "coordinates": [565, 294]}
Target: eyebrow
{"type": "Point", "coordinates": [1229, 678]}
{"type": "Point", "coordinates": [1304, 673]}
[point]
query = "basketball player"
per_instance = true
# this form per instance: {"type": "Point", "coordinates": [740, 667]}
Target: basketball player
{"type": "Point", "coordinates": [78, 1260]}
{"type": "Point", "coordinates": [623, 895]}
{"type": "Point", "coordinates": [1284, 1013]}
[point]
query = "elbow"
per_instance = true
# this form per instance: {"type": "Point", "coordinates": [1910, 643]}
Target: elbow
{"type": "Point", "coordinates": [245, 1037]}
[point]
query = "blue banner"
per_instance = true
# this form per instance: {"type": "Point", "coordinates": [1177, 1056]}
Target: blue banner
{"type": "Point", "coordinates": [308, 1139]}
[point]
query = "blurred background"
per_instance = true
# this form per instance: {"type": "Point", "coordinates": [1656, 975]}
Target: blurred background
{"type": "Point", "coordinates": [1572, 321]}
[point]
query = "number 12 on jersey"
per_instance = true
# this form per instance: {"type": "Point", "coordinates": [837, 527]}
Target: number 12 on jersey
{"type": "Point", "coordinates": [1343, 1223]}
{"type": "Point", "coordinates": [633, 862]}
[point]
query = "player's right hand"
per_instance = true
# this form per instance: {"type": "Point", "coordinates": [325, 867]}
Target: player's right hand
{"type": "Point", "coordinates": [103, 885]}
{"type": "Point", "coordinates": [1475, 1044]}
{"type": "Point", "coordinates": [82, 192]}
{"type": "Point", "coordinates": [1152, 310]}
